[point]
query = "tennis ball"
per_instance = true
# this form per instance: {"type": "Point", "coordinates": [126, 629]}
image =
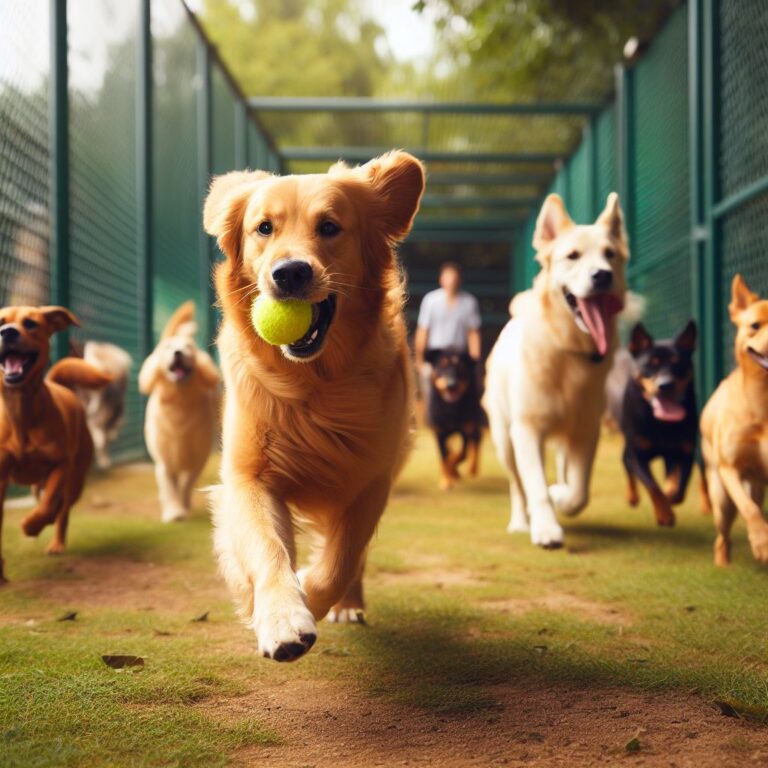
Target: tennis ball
{"type": "Point", "coordinates": [281, 322]}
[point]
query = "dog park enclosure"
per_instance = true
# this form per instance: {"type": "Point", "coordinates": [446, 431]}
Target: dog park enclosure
{"type": "Point", "coordinates": [114, 117]}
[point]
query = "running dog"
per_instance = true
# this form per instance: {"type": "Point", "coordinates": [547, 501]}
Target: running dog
{"type": "Point", "coordinates": [734, 430]}
{"type": "Point", "coordinates": [181, 382]}
{"type": "Point", "coordinates": [315, 432]}
{"type": "Point", "coordinates": [547, 371]}
{"type": "Point", "coordinates": [454, 409]}
{"type": "Point", "coordinates": [44, 440]}
{"type": "Point", "coordinates": [658, 417]}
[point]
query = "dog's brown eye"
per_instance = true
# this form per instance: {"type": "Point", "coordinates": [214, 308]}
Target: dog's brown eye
{"type": "Point", "coordinates": [755, 326]}
{"type": "Point", "coordinates": [328, 229]}
{"type": "Point", "coordinates": [265, 228]}
{"type": "Point", "coordinates": [573, 255]}
{"type": "Point", "coordinates": [609, 253]}
{"type": "Point", "coordinates": [27, 323]}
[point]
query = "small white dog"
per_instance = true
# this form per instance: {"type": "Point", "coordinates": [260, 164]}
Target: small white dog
{"type": "Point", "coordinates": [181, 381]}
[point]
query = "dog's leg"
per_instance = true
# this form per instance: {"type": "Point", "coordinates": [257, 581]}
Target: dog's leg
{"type": "Point", "coordinates": [633, 497]}
{"type": "Point", "coordinates": [578, 455]}
{"type": "Point", "coordinates": [724, 513]}
{"type": "Point", "coordinates": [757, 527]}
{"type": "Point", "coordinates": [185, 482]}
{"type": "Point", "coordinates": [100, 441]}
{"type": "Point", "coordinates": [678, 475]}
{"type": "Point", "coordinates": [500, 436]}
{"type": "Point", "coordinates": [171, 504]}
{"type": "Point", "coordinates": [705, 502]}
{"type": "Point", "coordinates": [528, 447]}
{"type": "Point", "coordinates": [351, 608]}
{"type": "Point", "coordinates": [446, 475]}
{"type": "Point", "coordinates": [53, 498]}
{"type": "Point", "coordinates": [339, 560]}
{"type": "Point", "coordinates": [473, 452]}
{"type": "Point", "coordinates": [253, 539]}
{"type": "Point", "coordinates": [640, 467]}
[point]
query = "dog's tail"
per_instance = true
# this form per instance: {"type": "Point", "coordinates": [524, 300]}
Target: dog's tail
{"type": "Point", "coordinates": [181, 322]}
{"type": "Point", "coordinates": [72, 372]}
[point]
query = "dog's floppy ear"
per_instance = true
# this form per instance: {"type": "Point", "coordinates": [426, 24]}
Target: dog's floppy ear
{"type": "Point", "coordinates": [58, 318]}
{"type": "Point", "coordinates": [553, 219]}
{"type": "Point", "coordinates": [225, 207]}
{"type": "Point", "coordinates": [741, 297]}
{"type": "Point", "coordinates": [612, 218]}
{"type": "Point", "coordinates": [686, 339]}
{"type": "Point", "coordinates": [398, 181]}
{"type": "Point", "coordinates": [639, 340]}
{"type": "Point", "coordinates": [148, 373]}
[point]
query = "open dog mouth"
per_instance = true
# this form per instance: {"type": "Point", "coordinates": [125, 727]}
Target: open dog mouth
{"type": "Point", "coordinates": [593, 315]}
{"type": "Point", "coordinates": [665, 409]}
{"type": "Point", "coordinates": [312, 341]}
{"type": "Point", "coordinates": [761, 360]}
{"type": "Point", "coordinates": [179, 370]}
{"type": "Point", "coordinates": [16, 364]}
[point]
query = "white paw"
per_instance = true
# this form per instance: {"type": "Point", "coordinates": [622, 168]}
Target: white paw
{"type": "Point", "coordinates": [284, 632]}
{"type": "Point", "coordinates": [545, 530]}
{"type": "Point", "coordinates": [347, 616]}
{"type": "Point", "coordinates": [174, 514]}
{"type": "Point", "coordinates": [518, 524]}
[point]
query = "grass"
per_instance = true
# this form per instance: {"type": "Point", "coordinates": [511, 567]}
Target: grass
{"type": "Point", "coordinates": [456, 605]}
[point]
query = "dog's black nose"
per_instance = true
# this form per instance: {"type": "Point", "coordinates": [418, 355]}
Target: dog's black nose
{"type": "Point", "coordinates": [602, 279]}
{"type": "Point", "coordinates": [292, 276]}
{"type": "Point", "coordinates": [666, 386]}
{"type": "Point", "coordinates": [9, 333]}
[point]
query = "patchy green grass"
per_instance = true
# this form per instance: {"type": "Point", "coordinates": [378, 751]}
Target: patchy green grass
{"type": "Point", "coordinates": [456, 607]}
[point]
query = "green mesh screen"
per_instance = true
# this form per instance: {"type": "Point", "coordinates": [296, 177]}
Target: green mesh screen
{"type": "Point", "coordinates": [24, 140]}
{"type": "Point", "coordinates": [176, 216]}
{"type": "Point", "coordinates": [578, 197]}
{"type": "Point", "coordinates": [607, 179]}
{"type": "Point", "coordinates": [223, 124]}
{"type": "Point", "coordinates": [103, 250]}
{"type": "Point", "coordinates": [661, 197]}
{"type": "Point", "coordinates": [257, 150]}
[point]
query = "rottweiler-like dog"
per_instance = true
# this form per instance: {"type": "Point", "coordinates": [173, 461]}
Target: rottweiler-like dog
{"type": "Point", "coordinates": [454, 408]}
{"type": "Point", "coordinates": [659, 417]}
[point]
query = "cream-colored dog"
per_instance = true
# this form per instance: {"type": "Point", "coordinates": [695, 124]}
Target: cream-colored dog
{"type": "Point", "coordinates": [181, 381]}
{"type": "Point", "coordinates": [547, 371]}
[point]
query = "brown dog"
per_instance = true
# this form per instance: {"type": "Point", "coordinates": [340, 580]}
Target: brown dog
{"type": "Point", "coordinates": [314, 432]}
{"type": "Point", "coordinates": [734, 430]}
{"type": "Point", "coordinates": [44, 439]}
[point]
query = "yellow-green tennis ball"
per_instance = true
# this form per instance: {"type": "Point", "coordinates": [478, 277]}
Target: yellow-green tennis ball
{"type": "Point", "coordinates": [281, 322]}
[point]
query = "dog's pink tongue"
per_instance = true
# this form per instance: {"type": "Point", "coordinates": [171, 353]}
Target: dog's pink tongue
{"type": "Point", "coordinates": [597, 312]}
{"type": "Point", "coordinates": [666, 410]}
{"type": "Point", "coordinates": [12, 365]}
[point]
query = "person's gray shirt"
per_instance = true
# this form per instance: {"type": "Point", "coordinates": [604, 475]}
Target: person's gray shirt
{"type": "Point", "coordinates": [448, 324]}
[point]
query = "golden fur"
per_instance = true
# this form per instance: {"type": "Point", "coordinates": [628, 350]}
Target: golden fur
{"type": "Point", "coordinates": [734, 430]}
{"type": "Point", "coordinates": [181, 415]}
{"type": "Point", "coordinates": [44, 441]}
{"type": "Point", "coordinates": [545, 378]}
{"type": "Point", "coordinates": [315, 443]}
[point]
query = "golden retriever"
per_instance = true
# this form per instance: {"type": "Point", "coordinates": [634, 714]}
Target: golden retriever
{"type": "Point", "coordinates": [181, 381]}
{"type": "Point", "coordinates": [547, 371]}
{"type": "Point", "coordinates": [315, 432]}
{"type": "Point", "coordinates": [734, 430]}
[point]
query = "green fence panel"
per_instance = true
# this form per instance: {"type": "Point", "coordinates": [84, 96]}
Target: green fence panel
{"type": "Point", "coordinates": [661, 200]}
{"type": "Point", "coordinates": [176, 215]}
{"type": "Point", "coordinates": [578, 194]}
{"type": "Point", "coordinates": [742, 151]}
{"type": "Point", "coordinates": [103, 251]}
{"type": "Point", "coordinates": [223, 123]}
{"type": "Point", "coordinates": [607, 175]}
{"type": "Point", "coordinates": [24, 153]}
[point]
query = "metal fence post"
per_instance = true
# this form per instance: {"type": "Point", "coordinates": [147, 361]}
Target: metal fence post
{"type": "Point", "coordinates": [204, 170]}
{"type": "Point", "coordinates": [59, 166]}
{"type": "Point", "coordinates": [241, 134]}
{"type": "Point", "coordinates": [592, 166]}
{"type": "Point", "coordinates": [144, 180]}
{"type": "Point", "coordinates": [712, 277]}
{"type": "Point", "coordinates": [625, 134]}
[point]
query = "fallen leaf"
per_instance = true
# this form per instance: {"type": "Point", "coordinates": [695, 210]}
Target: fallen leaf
{"type": "Point", "coordinates": [70, 616]}
{"type": "Point", "coordinates": [202, 617]}
{"type": "Point", "coordinates": [633, 745]}
{"type": "Point", "coordinates": [124, 662]}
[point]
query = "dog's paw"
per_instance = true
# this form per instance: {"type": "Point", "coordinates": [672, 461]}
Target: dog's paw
{"type": "Point", "coordinates": [758, 541]}
{"type": "Point", "coordinates": [285, 633]}
{"type": "Point", "coordinates": [55, 548]}
{"type": "Point", "coordinates": [348, 615]}
{"type": "Point", "coordinates": [518, 524]}
{"type": "Point", "coordinates": [545, 530]}
{"type": "Point", "coordinates": [33, 523]}
{"type": "Point", "coordinates": [174, 514]}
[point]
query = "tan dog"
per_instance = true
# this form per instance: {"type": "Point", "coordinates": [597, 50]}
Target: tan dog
{"type": "Point", "coordinates": [181, 381]}
{"type": "Point", "coordinates": [44, 440]}
{"type": "Point", "coordinates": [314, 432]}
{"type": "Point", "coordinates": [547, 371]}
{"type": "Point", "coordinates": [734, 430]}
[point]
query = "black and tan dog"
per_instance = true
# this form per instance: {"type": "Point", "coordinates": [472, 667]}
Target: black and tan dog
{"type": "Point", "coordinates": [454, 409]}
{"type": "Point", "coordinates": [44, 439]}
{"type": "Point", "coordinates": [658, 416]}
